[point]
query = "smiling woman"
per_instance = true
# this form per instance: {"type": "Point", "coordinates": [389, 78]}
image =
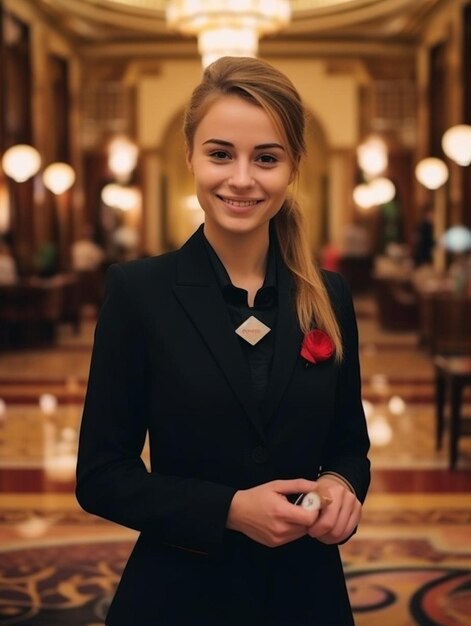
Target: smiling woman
{"type": "Point", "coordinates": [203, 349]}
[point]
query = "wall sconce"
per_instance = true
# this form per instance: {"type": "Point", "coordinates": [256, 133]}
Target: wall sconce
{"type": "Point", "coordinates": [432, 173]}
{"type": "Point", "coordinates": [122, 158]}
{"type": "Point", "coordinates": [362, 196]}
{"type": "Point", "coordinates": [21, 162]}
{"type": "Point", "coordinates": [58, 177]}
{"type": "Point", "coordinates": [372, 156]}
{"type": "Point", "coordinates": [456, 144]}
{"type": "Point", "coordinates": [121, 197]}
{"type": "Point", "coordinates": [383, 190]}
{"type": "Point", "coordinates": [375, 193]}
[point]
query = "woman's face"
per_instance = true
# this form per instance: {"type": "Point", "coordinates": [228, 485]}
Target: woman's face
{"type": "Point", "coordinates": [241, 167]}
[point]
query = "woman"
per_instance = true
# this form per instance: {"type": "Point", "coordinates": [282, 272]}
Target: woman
{"type": "Point", "coordinates": [240, 360]}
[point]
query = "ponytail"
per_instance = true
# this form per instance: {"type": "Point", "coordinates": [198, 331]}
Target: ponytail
{"type": "Point", "coordinates": [313, 305]}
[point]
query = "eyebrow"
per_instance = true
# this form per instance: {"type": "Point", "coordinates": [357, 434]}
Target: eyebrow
{"type": "Point", "coordinates": [262, 146]}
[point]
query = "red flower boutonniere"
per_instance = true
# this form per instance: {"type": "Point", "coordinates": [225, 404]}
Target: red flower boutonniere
{"type": "Point", "coordinates": [317, 346]}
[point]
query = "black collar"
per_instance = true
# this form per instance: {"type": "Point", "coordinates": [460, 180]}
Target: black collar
{"type": "Point", "coordinates": [265, 296]}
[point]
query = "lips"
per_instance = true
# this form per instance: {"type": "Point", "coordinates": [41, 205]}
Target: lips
{"type": "Point", "coordinates": [241, 204]}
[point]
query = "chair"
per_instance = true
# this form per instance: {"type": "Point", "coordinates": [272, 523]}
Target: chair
{"type": "Point", "coordinates": [454, 372]}
{"type": "Point", "coordinates": [397, 303]}
{"type": "Point", "coordinates": [449, 324]}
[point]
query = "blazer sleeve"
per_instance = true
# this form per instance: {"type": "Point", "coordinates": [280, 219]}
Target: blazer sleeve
{"type": "Point", "coordinates": [112, 480]}
{"type": "Point", "coordinates": [346, 450]}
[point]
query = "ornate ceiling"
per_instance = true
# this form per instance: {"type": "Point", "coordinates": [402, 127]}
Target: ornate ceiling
{"type": "Point", "coordinates": [93, 22]}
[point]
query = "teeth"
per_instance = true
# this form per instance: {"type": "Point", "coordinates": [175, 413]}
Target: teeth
{"type": "Point", "coordinates": [241, 203]}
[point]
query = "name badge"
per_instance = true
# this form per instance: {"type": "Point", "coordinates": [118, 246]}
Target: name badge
{"type": "Point", "coordinates": [252, 330]}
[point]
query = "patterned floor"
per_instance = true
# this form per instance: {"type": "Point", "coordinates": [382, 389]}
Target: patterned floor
{"type": "Point", "coordinates": [409, 564]}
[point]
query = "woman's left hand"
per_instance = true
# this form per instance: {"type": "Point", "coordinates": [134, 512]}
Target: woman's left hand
{"type": "Point", "coordinates": [338, 520]}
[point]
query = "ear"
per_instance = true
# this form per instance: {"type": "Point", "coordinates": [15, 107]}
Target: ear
{"type": "Point", "coordinates": [188, 159]}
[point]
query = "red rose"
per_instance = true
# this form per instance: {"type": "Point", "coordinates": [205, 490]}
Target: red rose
{"type": "Point", "coordinates": [317, 346]}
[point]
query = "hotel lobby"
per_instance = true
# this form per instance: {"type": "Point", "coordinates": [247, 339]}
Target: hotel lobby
{"type": "Point", "coordinates": [93, 173]}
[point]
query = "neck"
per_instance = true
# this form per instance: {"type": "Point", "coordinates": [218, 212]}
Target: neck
{"type": "Point", "coordinates": [243, 255]}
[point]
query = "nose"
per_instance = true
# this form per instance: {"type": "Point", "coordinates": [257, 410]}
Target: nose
{"type": "Point", "coordinates": [241, 175]}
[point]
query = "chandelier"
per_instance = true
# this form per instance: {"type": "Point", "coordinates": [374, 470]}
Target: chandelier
{"type": "Point", "coordinates": [227, 27]}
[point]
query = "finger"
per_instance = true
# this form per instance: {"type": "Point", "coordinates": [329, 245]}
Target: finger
{"type": "Point", "coordinates": [333, 530]}
{"type": "Point", "coordinates": [299, 516]}
{"type": "Point", "coordinates": [295, 485]}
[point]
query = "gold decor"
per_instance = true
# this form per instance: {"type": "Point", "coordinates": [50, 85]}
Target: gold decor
{"type": "Point", "coordinates": [227, 27]}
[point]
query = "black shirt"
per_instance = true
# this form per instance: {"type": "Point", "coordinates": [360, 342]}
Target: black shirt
{"type": "Point", "coordinates": [259, 357]}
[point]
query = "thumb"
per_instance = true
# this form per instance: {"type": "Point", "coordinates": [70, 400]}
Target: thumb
{"type": "Point", "coordinates": [294, 485]}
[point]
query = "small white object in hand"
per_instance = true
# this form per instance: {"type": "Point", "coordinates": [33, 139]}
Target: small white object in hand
{"type": "Point", "coordinates": [311, 501]}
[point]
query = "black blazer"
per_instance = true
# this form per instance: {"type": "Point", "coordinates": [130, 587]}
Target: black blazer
{"type": "Point", "coordinates": [166, 361]}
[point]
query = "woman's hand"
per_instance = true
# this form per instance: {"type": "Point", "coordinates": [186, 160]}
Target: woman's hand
{"type": "Point", "coordinates": [337, 521]}
{"type": "Point", "coordinates": [264, 513]}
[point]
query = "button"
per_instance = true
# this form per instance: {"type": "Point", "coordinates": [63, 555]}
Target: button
{"type": "Point", "coordinates": [260, 455]}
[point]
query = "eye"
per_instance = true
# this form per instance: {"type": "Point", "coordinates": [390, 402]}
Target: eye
{"type": "Point", "coordinates": [267, 159]}
{"type": "Point", "coordinates": [220, 155]}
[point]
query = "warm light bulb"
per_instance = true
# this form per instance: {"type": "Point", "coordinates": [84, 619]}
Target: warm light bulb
{"type": "Point", "coordinates": [20, 162]}
{"type": "Point", "coordinates": [372, 156]}
{"type": "Point", "coordinates": [456, 143]}
{"type": "Point", "coordinates": [382, 190]}
{"type": "Point", "coordinates": [363, 196]}
{"type": "Point", "coordinates": [431, 172]}
{"type": "Point", "coordinates": [122, 158]}
{"type": "Point", "coordinates": [121, 197]}
{"type": "Point", "coordinates": [58, 177]}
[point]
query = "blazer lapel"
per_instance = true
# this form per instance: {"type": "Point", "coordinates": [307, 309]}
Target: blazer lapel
{"type": "Point", "coordinates": [287, 342]}
{"type": "Point", "coordinates": [200, 295]}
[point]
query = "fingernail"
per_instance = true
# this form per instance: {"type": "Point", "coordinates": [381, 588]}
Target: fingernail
{"type": "Point", "coordinates": [325, 500]}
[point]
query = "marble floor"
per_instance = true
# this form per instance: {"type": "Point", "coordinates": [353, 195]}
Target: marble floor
{"type": "Point", "coordinates": [410, 562]}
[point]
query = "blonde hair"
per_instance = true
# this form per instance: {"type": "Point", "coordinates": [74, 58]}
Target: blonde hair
{"type": "Point", "coordinates": [261, 84]}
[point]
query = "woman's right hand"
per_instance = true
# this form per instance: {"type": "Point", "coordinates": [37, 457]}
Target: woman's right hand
{"type": "Point", "coordinates": [264, 513]}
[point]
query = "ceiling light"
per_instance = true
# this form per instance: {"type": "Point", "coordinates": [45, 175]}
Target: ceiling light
{"type": "Point", "coordinates": [58, 177]}
{"type": "Point", "coordinates": [431, 172]}
{"type": "Point", "coordinates": [20, 162]}
{"type": "Point", "coordinates": [456, 144]}
{"type": "Point", "coordinates": [227, 27]}
{"type": "Point", "coordinates": [372, 156]}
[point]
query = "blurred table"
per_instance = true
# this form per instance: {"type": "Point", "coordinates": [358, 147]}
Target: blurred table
{"type": "Point", "coordinates": [396, 303]}
{"type": "Point", "coordinates": [32, 308]}
{"type": "Point", "coordinates": [445, 321]}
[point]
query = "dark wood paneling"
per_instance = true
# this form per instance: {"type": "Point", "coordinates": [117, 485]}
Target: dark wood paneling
{"type": "Point", "coordinates": [59, 73]}
{"type": "Point", "coordinates": [437, 99]}
{"type": "Point", "coordinates": [466, 179]}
